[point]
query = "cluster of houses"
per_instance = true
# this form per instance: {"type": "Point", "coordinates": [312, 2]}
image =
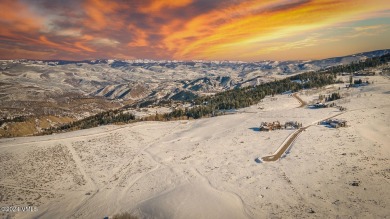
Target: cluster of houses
{"type": "Point", "coordinates": [364, 73]}
{"type": "Point", "coordinates": [323, 105]}
{"type": "Point", "coordinates": [356, 85]}
{"type": "Point", "coordinates": [359, 73]}
{"type": "Point", "coordinates": [269, 126]}
{"type": "Point", "coordinates": [334, 123]}
{"type": "Point", "coordinates": [319, 105]}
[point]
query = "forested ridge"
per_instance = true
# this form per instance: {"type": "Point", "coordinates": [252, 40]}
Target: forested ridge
{"type": "Point", "coordinates": [232, 99]}
{"type": "Point", "coordinates": [103, 118]}
{"type": "Point", "coordinates": [247, 96]}
{"type": "Point", "coordinates": [361, 65]}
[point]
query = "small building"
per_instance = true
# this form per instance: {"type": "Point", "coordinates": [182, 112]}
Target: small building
{"type": "Point", "coordinates": [264, 129]}
{"type": "Point", "coordinates": [335, 123]}
{"type": "Point", "coordinates": [359, 85]}
{"type": "Point", "coordinates": [268, 126]}
{"type": "Point", "coordinates": [292, 125]}
{"type": "Point", "coordinates": [364, 73]}
{"type": "Point", "coordinates": [319, 105]}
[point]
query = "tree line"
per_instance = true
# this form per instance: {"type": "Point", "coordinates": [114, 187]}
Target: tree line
{"type": "Point", "coordinates": [103, 118]}
{"type": "Point", "coordinates": [360, 65]}
{"type": "Point", "coordinates": [208, 106]}
{"type": "Point", "coordinates": [14, 119]}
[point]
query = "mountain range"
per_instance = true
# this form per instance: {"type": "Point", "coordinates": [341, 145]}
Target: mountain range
{"type": "Point", "coordinates": [107, 83]}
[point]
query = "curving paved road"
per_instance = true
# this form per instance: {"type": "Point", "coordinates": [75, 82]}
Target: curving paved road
{"type": "Point", "coordinates": [284, 146]}
{"type": "Point", "coordinates": [290, 139]}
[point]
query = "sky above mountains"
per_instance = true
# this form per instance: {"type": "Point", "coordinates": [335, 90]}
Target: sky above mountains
{"type": "Point", "coordinates": [192, 29]}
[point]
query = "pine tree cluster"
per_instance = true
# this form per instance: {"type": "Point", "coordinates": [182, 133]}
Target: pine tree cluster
{"type": "Point", "coordinates": [333, 96]}
{"type": "Point", "coordinates": [233, 99]}
{"type": "Point", "coordinates": [361, 65]}
{"type": "Point", "coordinates": [103, 118]}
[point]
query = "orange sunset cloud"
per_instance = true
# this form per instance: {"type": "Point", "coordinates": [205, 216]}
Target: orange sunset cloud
{"type": "Point", "coordinates": [192, 29]}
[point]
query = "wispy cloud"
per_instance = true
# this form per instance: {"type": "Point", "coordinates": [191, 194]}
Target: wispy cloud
{"type": "Point", "coordinates": [105, 42]}
{"type": "Point", "coordinates": [184, 29]}
{"type": "Point", "coordinates": [372, 27]}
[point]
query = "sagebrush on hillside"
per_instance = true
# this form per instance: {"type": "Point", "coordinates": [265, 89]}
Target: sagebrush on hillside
{"type": "Point", "coordinates": [124, 215]}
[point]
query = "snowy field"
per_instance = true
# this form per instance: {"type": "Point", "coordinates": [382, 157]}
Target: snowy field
{"type": "Point", "coordinates": [206, 168]}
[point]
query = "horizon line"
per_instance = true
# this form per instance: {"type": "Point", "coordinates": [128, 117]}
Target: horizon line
{"type": "Point", "coordinates": [189, 60]}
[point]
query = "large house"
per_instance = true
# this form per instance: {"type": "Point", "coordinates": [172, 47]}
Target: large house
{"type": "Point", "coordinates": [269, 126]}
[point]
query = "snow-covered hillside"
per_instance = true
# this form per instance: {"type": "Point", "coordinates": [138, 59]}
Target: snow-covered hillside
{"type": "Point", "coordinates": [207, 168]}
{"type": "Point", "coordinates": [137, 79]}
{"type": "Point", "coordinates": [142, 80]}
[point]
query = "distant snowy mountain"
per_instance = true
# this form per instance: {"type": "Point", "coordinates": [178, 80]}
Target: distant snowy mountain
{"type": "Point", "coordinates": [146, 80]}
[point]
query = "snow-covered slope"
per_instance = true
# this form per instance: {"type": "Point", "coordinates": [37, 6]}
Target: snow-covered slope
{"type": "Point", "coordinates": [207, 168]}
{"type": "Point", "coordinates": [145, 79]}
